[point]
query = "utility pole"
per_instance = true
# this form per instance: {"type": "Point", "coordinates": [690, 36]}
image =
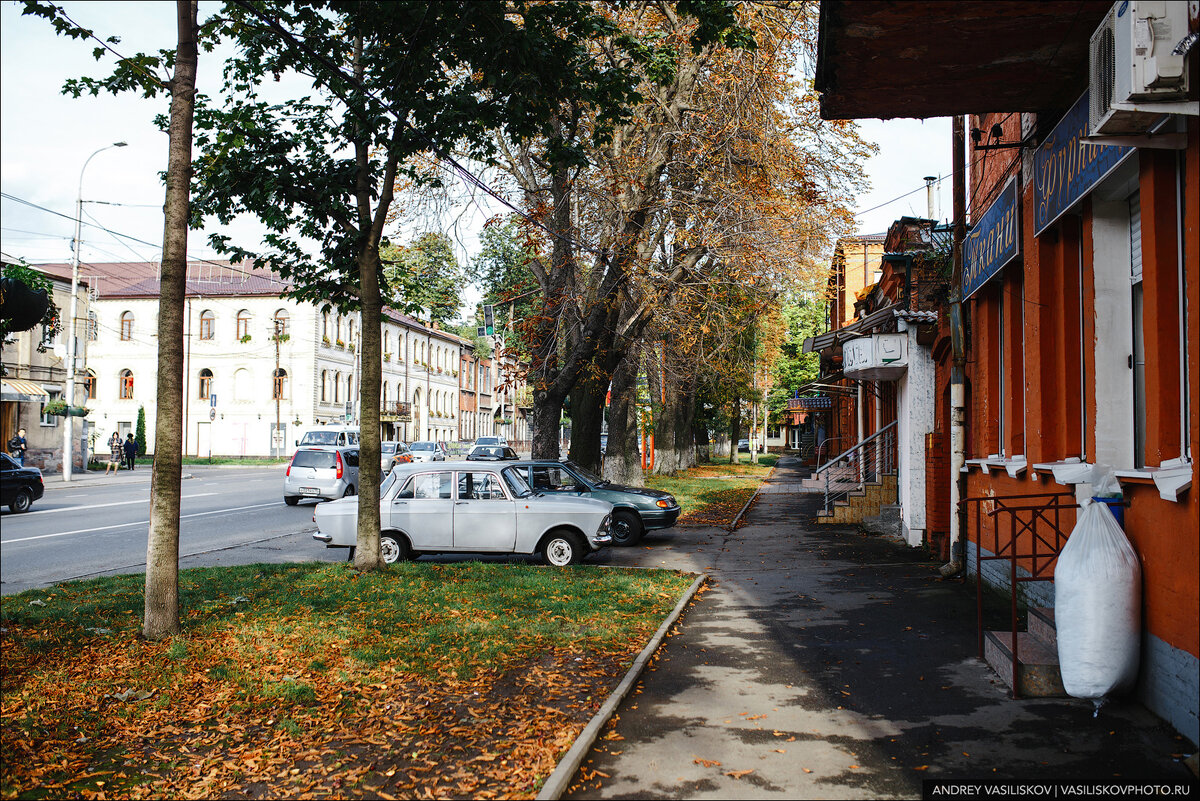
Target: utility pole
{"type": "Point", "coordinates": [277, 387]}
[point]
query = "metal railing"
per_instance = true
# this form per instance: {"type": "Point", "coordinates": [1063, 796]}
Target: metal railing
{"type": "Point", "coordinates": [825, 447]}
{"type": "Point", "coordinates": [867, 461]}
{"type": "Point", "coordinates": [1034, 536]}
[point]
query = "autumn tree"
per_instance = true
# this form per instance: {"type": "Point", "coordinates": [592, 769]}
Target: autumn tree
{"type": "Point", "coordinates": [425, 273]}
{"type": "Point", "coordinates": [393, 83]}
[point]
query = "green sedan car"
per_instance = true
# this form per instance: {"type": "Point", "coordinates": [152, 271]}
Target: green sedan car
{"type": "Point", "coordinates": [635, 510]}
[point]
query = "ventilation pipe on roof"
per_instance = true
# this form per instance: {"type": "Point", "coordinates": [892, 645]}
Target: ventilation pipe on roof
{"type": "Point", "coordinates": [958, 349]}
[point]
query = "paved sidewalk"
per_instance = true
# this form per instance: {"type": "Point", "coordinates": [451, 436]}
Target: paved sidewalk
{"type": "Point", "coordinates": [825, 663]}
{"type": "Point", "coordinates": [140, 474]}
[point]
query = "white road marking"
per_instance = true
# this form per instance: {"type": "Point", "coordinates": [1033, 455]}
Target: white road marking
{"type": "Point", "coordinates": [102, 505]}
{"type": "Point", "coordinates": [137, 523]}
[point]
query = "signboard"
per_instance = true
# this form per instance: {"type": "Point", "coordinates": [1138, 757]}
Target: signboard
{"type": "Point", "coordinates": [212, 399]}
{"type": "Point", "coordinates": [212, 414]}
{"type": "Point", "coordinates": [994, 241]}
{"type": "Point", "coordinates": [1065, 167]}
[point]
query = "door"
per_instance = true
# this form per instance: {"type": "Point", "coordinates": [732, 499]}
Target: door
{"type": "Point", "coordinates": [203, 439]}
{"type": "Point", "coordinates": [484, 517]}
{"type": "Point", "coordinates": [424, 510]}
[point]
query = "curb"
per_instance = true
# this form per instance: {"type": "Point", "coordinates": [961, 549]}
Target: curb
{"type": "Point", "coordinates": [558, 781]}
{"type": "Point", "coordinates": [100, 481]}
{"type": "Point", "coordinates": [733, 526]}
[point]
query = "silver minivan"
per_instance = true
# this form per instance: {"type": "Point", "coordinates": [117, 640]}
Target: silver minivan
{"type": "Point", "coordinates": [322, 472]}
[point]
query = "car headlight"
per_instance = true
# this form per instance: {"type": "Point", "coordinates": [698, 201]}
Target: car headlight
{"type": "Point", "coordinates": [605, 523]}
{"type": "Point", "coordinates": [665, 503]}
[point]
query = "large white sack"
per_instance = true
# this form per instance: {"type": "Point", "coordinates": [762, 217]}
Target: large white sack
{"type": "Point", "coordinates": [1097, 607]}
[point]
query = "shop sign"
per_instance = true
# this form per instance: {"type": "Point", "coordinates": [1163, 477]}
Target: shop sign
{"type": "Point", "coordinates": [994, 241]}
{"type": "Point", "coordinates": [1066, 167]}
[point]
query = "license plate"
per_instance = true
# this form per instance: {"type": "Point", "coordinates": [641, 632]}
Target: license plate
{"type": "Point", "coordinates": [309, 491]}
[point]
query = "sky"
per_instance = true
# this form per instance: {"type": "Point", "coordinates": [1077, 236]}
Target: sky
{"type": "Point", "coordinates": [45, 138]}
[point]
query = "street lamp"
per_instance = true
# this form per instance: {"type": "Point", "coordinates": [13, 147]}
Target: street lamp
{"type": "Point", "coordinates": [69, 429]}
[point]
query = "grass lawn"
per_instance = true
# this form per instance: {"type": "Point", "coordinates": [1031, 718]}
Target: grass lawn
{"type": "Point", "coordinates": [712, 493]}
{"type": "Point", "coordinates": [309, 680]}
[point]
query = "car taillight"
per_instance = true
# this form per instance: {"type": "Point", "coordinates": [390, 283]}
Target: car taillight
{"type": "Point", "coordinates": [289, 470]}
{"type": "Point", "coordinates": [339, 464]}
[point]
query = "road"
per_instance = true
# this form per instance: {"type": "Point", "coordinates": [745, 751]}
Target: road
{"type": "Point", "coordinates": [84, 529]}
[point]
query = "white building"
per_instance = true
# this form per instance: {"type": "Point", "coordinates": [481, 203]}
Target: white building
{"type": "Point", "coordinates": [240, 379]}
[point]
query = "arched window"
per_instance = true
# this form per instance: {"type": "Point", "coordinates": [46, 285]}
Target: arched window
{"type": "Point", "coordinates": [206, 378]}
{"type": "Point", "coordinates": [126, 389]}
{"type": "Point", "coordinates": [243, 324]}
{"type": "Point", "coordinates": [324, 386]}
{"type": "Point", "coordinates": [383, 393]}
{"type": "Point", "coordinates": [89, 383]}
{"type": "Point", "coordinates": [279, 384]}
{"type": "Point", "coordinates": [325, 325]}
{"type": "Point", "coordinates": [126, 326]}
{"type": "Point", "coordinates": [281, 323]}
{"type": "Point", "coordinates": [338, 329]}
{"type": "Point", "coordinates": [337, 387]}
{"type": "Point", "coordinates": [207, 322]}
{"type": "Point", "coordinates": [350, 388]}
{"type": "Point", "coordinates": [350, 330]}
{"type": "Point", "coordinates": [387, 341]}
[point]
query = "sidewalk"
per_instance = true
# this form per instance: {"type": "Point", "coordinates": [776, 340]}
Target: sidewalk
{"type": "Point", "coordinates": [140, 474]}
{"type": "Point", "coordinates": [824, 663]}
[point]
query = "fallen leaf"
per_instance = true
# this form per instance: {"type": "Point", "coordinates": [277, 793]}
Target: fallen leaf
{"type": "Point", "coordinates": [737, 774]}
{"type": "Point", "coordinates": [708, 763]}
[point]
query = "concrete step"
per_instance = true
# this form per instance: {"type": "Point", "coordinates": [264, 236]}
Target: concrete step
{"type": "Point", "coordinates": [886, 522]}
{"type": "Point", "coordinates": [1041, 625]}
{"type": "Point", "coordinates": [1038, 675]}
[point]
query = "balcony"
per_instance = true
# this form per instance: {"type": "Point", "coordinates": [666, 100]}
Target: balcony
{"type": "Point", "coordinates": [395, 412]}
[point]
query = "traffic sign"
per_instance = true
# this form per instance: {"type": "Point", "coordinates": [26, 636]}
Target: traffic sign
{"type": "Point", "coordinates": [212, 399]}
{"type": "Point", "coordinates": [212, 414]}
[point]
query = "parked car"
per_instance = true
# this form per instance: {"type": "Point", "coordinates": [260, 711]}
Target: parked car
{"type": "Point", "coordinates": [322, 472]}
{"type": "Point", "coordinates": [19, 486]}
{"type": "Point", "coordinates": [466, 507]}
{"type": "Point", "coordinates": [496, 440]}
{"type": "Point", "coordinates": [337, 436]}
{"type": "Point", "coordinates": [635, 509]}
{"type": "Point", "coordinates": [427, 452]}
{"type": "Point", "coordinates": [492, 453]}
{"type": "Point", "coordinates": [744, 445]}
{"type": "Point", "coordinates": [392, 454]}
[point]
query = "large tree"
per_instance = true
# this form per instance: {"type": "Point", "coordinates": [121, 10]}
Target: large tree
{"type": "Point", "coordinates": [394, 84]}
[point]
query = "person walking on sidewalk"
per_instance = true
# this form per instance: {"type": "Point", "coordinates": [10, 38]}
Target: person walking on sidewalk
{"type": "Point", "coordinates": [116, 453]}
{"type": "Point", "coordinates": [17, 447]}
{"type": "Point", "coordinates": [130, 450]}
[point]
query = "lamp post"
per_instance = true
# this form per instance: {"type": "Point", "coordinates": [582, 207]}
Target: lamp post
{"type": "Point", "coordinates": [69, 429]}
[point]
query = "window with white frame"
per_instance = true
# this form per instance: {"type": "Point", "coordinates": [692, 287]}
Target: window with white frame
{"type": "Point", "coordinates": [50, 419]}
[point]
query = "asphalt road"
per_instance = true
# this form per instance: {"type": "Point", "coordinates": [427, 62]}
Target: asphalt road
{"type": "Point", "coordinates": [99, 526]}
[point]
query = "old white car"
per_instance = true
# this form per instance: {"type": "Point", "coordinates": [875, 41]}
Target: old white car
{"type": "Point", "coordinates": [466, 507]}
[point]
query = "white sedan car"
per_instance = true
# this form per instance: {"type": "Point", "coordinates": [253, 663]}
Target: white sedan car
{"type": "Point", "coordinates": [467, 507]}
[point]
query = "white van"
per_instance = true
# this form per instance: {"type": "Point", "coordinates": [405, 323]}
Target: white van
{"type": "Point", "coordinates": [337, 436]}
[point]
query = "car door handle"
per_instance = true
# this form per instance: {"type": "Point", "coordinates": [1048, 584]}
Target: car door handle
{"type": "Point", "coordinates": [399, 503]}
{"type": "Point", "coordinates": [460, 503]}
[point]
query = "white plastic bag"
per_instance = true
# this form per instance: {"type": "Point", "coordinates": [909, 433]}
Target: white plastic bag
{"type": "Point", "coordinates": [1097, 607]}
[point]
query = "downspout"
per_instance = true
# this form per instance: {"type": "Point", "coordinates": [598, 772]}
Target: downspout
{"type": "Point", "coordinates": [958, 523]}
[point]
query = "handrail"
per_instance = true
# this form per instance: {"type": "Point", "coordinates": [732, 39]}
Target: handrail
{"type": "Point", "coordinates": [856, 447]}
{"type": "Point", "coordinates": [825, 442]}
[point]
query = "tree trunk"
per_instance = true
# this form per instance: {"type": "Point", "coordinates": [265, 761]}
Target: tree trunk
{"type": "Point", "coordinates": [161, 618]}
{"type": "Point", "coordinates": [700, 435]}
{"type": "Point", "coordinates": [547, 412]}
{"type": "Point", "coordinates": [366, 553]}
{"type": "Point", "coordinates": [735, 428]}
{"type": "Point", "coordinates": [587, 418]}
{"type": "Point", "coordinates": [622, 462]}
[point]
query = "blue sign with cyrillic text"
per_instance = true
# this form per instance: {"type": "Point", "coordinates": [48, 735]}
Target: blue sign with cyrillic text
{"type": "Point", "coordinates": [994, 241]}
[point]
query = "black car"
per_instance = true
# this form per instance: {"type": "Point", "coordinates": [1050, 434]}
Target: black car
{"type": "Point", "coordinates": [19, 486]}
{"type": "Point", "coordinates": [492, 453]}
{"type": "Point", "coordinates": [635, 509]}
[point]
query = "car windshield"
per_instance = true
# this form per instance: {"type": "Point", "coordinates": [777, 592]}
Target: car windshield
{"type": "Point", "coordinates": [387, 447]}
{"type": "Point", "coordinates": [320, 438]}
{"type": "Point", "coordinates": [321, 459]}
{"type": "Point", "coordinates": [586, 475]}
{"type": "Point", "coordinates": [421, 446]}
{"type": "Point", "coordinates": [388, 481]}
{"type": "Point", "coordinates": [516, 483]}
{"type": "Point", "coordinates": [487, 441]}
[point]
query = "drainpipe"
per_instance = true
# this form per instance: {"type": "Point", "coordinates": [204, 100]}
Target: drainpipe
{"type": "Point", "coordinates": [958, 371]}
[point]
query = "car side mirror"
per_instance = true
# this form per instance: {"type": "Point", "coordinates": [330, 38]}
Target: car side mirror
{"type": "Point", "coordinates": [581, 488]}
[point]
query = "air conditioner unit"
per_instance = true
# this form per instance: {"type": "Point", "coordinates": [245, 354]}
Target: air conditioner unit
{"type": "Point", "coordinates": [1134, 76]}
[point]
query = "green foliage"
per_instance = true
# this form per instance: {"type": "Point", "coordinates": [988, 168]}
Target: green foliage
{"type": "Point", "coordinates": [501, 271]}
{"type": "Point", "coordinates": [425, 273]}
{"type": "Point", "coordinates": [805, 317]}
{"type": "Point", "coordinates": [140, 431]}
{"type": "Point", "coordinates": [38, 282]}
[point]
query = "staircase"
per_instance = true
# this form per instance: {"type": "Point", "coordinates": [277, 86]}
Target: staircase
{"type": "Point", "coordinates": [859, 482]}
{"type": "Point", "coordinates": [1037, 672]}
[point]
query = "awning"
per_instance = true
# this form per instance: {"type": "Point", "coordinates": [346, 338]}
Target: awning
{"type": "Point", "coordinates": [818, 403]}
{"type": "Point", "coordinates": [14, 389]}
{"type": "Point", "coordinates": [826, 384]}
{"type": "Point", "coordinates": [854, 329]}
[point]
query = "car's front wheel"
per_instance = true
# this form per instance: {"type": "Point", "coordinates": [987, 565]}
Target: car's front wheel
{"type": "Point", "coordinates": [627, 528]}
{"type": "Point", "coordinates": [562, 548]}
{"type": "Point", "coordinates": [393, 548]}
{"type": "Point", "coordinates": [21, 501]}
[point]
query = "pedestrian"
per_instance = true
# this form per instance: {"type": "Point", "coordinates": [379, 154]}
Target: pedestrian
{"type": "Point", "coordinates": [130, 450]}
{"type": "Point", "coordinates": [17, 447]}
{"type": "Point", "coordinates": [116, 454]}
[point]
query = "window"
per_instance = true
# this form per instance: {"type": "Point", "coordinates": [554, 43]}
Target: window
{"type": "Point", "coordinates": [350, 334]}
{"type": "Point", "coordinates": [89, 384]}
{"type": "Point", "coordinates": [325, 325]}
{"type": "Point", "coordinates": [338, 328]}
{"type": "Point", "coordinates": [50, 419]}
{"type": "Point", "coordinates": [47, 337]}
{"type": "Point", "coordinates": [207, 324]}
{"type": "Point", "coordinates": [350, 388]}
{"type": "Point", "coordinates": [206, 378]}
{"type": "Point", "coordinates": [279, 384]}
{"type": "Point", "coordinates": [93, 327]}
{"type": "Point", "coordinates": [435, 486]}
{"type": "Point", "coordinates": [125, 391]}
{"type": "Point", "coordinates": [281, 323]}
{"type": "Point", "coordinates": [383, 394]}
{"type": "Point", "coordinates": [337, 387]}
{"type": "Point", "coordinates": [480, 487]}
{"type": "Point", "coordinates": [126, 326]}
{"type": "Point", "coordinates": [243, 324]}
{"type": "Point", "coordinates": [324, 386]}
